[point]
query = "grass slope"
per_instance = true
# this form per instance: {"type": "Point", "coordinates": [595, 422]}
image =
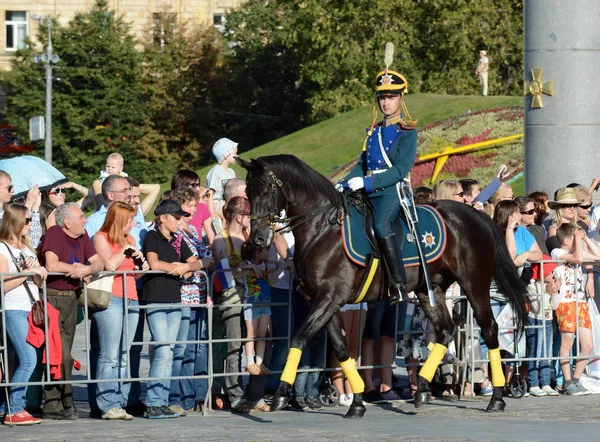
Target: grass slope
{"type": "Point", "coordinates": [332, 143]}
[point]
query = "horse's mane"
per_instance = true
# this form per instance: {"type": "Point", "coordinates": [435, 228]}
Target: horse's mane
{"type": "Point", "coordinates": [298, 174]}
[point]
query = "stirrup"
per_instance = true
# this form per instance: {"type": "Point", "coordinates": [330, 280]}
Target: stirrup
{"type": "Point", "coordinates": [397, 292]}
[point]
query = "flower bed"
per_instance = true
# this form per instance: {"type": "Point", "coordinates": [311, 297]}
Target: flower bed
{"type": "Point", "coordinates": [463, 130]}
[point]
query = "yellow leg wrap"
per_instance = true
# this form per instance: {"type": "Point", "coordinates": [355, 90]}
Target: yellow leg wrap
{"type": "Point", "coordinates": [432, 362]}
{"type": "Point", "coordinates": [356, 382]}
{"type": "Point", "coordinates": [291, 366]}
{"type": "Point", "coordinates": [498, 379]}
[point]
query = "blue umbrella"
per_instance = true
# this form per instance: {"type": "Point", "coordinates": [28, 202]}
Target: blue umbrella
{"type": "Point", "coordinates": [26, 171]}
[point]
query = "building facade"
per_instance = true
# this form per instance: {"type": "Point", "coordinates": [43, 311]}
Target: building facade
{"type": "Point", "coordinates": [18, 18]}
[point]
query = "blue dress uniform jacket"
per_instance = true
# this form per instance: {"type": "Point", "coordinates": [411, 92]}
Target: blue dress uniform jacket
{"type": "Point", "coordinates": [400, 145]}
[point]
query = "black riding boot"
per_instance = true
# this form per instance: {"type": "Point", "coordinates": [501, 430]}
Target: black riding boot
{"type": "Point", "coordinates": [395, 266]}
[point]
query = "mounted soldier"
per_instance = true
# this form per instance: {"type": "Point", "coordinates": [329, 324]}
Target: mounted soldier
{"type": "Point", "coordinates": [388, 154]}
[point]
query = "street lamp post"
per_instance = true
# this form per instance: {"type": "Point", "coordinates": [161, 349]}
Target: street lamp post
{"type": "Point", "coordinates": [50, 59]}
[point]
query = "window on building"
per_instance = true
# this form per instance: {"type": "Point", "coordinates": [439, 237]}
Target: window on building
{"type": "Point", "coordinates": [17, 30]}
{"type": "Point", "coordinates": [219, 21]}
{"type": "Point", "coordinates": [163, 27]}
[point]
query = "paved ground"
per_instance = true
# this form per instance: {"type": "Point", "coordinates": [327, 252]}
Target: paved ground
{"type": "Point", "coordinates": [528, 419]}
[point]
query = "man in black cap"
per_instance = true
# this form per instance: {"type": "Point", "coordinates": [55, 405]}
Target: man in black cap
{"type": "Point", "coordinates": [388, 154]}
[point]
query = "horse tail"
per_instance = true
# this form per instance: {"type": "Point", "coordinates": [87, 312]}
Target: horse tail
{"type": "Point", "coordinates": [508, 281]}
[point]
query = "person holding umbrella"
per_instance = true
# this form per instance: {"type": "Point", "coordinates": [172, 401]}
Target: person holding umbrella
{"type": "Point", "coordinates": [32, 202]}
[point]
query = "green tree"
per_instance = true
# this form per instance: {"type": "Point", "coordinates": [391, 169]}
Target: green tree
{"type": "Point", "coordinates": [180, 59]}
{"type": "Point", "coordinates": [321, 58]}
{"type": "Point", "coordinates": [98, 101]}
{"type": "Point", "coordinates": [451, 34]}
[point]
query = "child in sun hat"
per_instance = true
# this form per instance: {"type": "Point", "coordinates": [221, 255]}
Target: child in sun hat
{"type": "Point", "coordinates": [225, 152]}
{"type": "Point", "coordinates": [572, 313]}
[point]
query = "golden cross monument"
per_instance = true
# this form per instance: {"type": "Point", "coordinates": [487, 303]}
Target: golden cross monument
{"type": "Point", "coordinates": [537, 87]}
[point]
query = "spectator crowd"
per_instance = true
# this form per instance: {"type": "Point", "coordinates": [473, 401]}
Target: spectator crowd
{"type": "Point", "coordinates": [198, 228]}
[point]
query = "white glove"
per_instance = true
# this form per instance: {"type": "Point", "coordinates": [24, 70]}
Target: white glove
{"type": "Point", "coordinates": [356, 183]}
{"type": "Point", "coordinates": [339, 187]}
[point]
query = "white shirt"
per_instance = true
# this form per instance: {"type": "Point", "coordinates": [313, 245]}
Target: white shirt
{"type": "Point", "coordinates": [569, 273]}
{"type": "Point", "coordinates": [17, 298]}
{"type": "Point", "coordinates": [483, 65]}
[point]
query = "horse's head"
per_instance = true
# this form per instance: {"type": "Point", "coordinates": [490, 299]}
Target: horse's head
{"type": "Point", "coordinates": [267, 198]}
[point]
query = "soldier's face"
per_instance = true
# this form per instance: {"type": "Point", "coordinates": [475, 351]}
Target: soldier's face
{"type": "Point", "coordinates": [389, 105]}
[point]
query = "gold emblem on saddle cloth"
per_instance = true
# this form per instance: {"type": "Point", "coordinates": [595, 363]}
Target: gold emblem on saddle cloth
{"type": "Point", "coordinates": [428, 239]}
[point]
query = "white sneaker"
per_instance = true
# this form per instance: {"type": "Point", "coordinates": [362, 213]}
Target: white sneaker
{"type": "Point", "coordinates": [550, 391]}
{"type": "Point", "coordinates": [346, 400]}
{"type": "Point", "coordinates": [537, 392]}
{"type": "Point", "coordinates": [117, 414]}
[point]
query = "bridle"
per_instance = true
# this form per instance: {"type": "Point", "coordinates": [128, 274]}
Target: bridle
{"type": "Point", "coordinates": [273, 215]}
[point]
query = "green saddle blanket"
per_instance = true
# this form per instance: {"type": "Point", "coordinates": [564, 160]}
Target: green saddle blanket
{"type": "Point", "coordinates": [432, 235]}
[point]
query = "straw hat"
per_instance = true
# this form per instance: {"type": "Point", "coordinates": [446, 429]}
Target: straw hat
{"type": "Point", "coordinates": [564, 195]}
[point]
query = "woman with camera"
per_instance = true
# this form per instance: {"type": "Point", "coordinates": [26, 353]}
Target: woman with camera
{"type": "Point", "coordinates": [115, 246]}
{"type": "Point", "coordinates": [20, 292]}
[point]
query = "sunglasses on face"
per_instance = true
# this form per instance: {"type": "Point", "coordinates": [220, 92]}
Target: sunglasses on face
{"type": "Point", "coordinates": [9, 188]}
{"type": "Point", "coordinates": [569, 206]}
{"type": "Point", "coordinates": [460, 194]}
{"type": "Point", "coordinates": [27, 221]}
{"type": "Point", "coordinates": [585, 206]}
{"type": "Point", "coordinates": [196, 185]}
{"type": "Point", "coordinates": [528, 212]}
{"type": "Point", "coordinates": [59, 191]}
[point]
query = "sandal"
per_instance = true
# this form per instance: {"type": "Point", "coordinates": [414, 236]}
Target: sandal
{"type": "Point", "coordinates": [264, 408]}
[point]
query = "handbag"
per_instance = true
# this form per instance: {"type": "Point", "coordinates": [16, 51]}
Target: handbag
{"type": "Point", "coordinates": [99, 291]}
{"type": "Point", "coordinates": [38, 312]}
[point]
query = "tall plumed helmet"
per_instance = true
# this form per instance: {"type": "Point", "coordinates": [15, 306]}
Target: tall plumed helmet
{"type": "Point", "coordinates": [390, 81]}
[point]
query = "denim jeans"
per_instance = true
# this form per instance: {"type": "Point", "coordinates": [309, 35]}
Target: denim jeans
{"type": "Point", "coordinates": [313, 356]}
{"type": "Point", "coordinates": [190, 360]}
{"type": "Point", "coordinates": [17, 328]}
{"type": "Point", "coordinates": [279, 320]}
{"type": "Point", "coordinates": [539, 371]}
{"type": "Point", "coordinates": [112, 351]}
{"type": "Point", "coordinates": [497, 307]}
{"type": "Point", "coordinates": [135, 357]}
{"type": "Point", "coordinates": [178, 350]}
{"type": "Point", "coordinates": [164, 326]}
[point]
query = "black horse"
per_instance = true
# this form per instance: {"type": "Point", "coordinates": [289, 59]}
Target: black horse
{"type": "Point", "coordinates": [475, 253]}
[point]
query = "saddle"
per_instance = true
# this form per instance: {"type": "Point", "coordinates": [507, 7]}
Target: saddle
{"type": "Point", "coordinates": [360, 242]}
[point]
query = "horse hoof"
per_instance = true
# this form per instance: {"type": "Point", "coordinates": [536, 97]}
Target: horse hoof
{"type": "Point", "coordinates": [496, 405]}
{"type": "Point", "coordinates": [422, 397]}
{"type": "Point", "coordinates": [279, 403]}
{"type": "Point", "coordinates": [355, 411]}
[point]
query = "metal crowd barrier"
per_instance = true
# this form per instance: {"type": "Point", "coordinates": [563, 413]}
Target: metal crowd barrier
{"type": "Point", "coordinates": [469, 334]}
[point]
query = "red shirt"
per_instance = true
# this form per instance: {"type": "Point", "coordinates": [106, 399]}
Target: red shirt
{"type": "Point", "coordinates": [127, 264]}
{"type": "Point", "coordinates": [69, 250]}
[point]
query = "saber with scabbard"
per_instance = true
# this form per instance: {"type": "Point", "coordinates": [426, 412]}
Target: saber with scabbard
{"type": "Point", "coordinates": [405, 194]}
